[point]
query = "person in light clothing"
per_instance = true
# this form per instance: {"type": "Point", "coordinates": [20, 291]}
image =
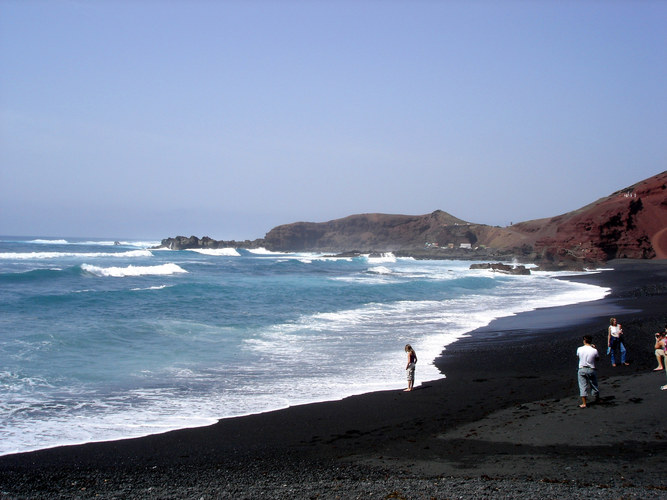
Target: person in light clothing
{"type": "Point", "coordinates": [615, 341]}
{"type": "Point", "coordinates": [588, 381]}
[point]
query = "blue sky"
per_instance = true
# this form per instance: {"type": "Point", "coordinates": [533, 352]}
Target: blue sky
{"type": "Point", "coordinates": [151, 119]}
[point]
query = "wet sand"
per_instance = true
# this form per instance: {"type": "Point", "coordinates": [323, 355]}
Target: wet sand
{"type": "Point", "coordinates": [504, 423]}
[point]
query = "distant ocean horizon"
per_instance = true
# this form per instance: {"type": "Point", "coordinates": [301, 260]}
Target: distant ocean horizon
{"type": "Point", "coordinates": [103, 339]}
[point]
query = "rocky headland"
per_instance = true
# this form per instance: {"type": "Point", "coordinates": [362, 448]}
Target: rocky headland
{"type": "Point", "coordinates": [629, 223]}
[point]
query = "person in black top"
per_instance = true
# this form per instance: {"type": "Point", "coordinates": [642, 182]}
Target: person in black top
{"type": "Point", "coordinates": [410, 368]}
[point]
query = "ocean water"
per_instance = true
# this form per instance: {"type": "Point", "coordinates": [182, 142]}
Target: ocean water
{"type": "Point", "coordinates": [103, 341]}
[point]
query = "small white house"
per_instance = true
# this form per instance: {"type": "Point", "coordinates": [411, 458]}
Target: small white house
{"type": "Point", "coordinates": [466, 245]}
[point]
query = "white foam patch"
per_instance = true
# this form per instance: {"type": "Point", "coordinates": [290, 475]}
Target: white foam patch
{"type": "Point", "coordinates": [380, 270]}
{"type": "Point", "coordinates": [49, 242]}
{"type": "Point", "coordinates": [160, 287]}
{"type": "Point", "coordinates": [263, 251]}
{"type": "Point", "coordinates": [222, 252]}
{"type": "Point", "coordinates": [121, 272]}
{"type": "Point", "coordinates": [384, 258]}
{"type": "Point", "coordinates": [106, 419]}
{"type": "Point", "coordinates": [321, 339]}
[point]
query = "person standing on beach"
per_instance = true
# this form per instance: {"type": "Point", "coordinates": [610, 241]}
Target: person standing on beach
{"type": "Point", "coordinates": [588, 381]}
{"type": "Point", "coordinates": [410, 368]}
{"type": "Point", "coordinates": [660, 352]}
{"type": "Point", "coordinates": [615, 341]}
{"type": "Point", "coordinates": [664, 345]}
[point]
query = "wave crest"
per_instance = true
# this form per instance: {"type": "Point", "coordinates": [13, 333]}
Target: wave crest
{"type": "Point", "coordinates": [49, 242]}
{"type": "Point", "coordinates": [382, 258]}
{"type": "Point", "coordinates": [121, 272]}
{"type": "Point", "coordinates": [380, 270]}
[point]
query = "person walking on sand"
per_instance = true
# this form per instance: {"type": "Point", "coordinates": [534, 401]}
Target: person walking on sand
{"type": "Point", "coordinates": [410, 368]}
{"type": "Point", "coordinates": [588, 381]}
{"type": "Point", "coordinates": [615, 341]}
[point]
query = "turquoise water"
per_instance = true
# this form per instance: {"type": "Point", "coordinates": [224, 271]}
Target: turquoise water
{"type": "Point", "coordinates": [102, 341]}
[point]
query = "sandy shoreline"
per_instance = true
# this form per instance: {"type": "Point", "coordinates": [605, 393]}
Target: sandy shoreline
{"type": "Point", "coordinates": [503, 424]}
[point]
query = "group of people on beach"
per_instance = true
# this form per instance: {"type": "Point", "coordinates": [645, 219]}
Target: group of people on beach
{"type": "Point", "coordinates": [588, 354]}
{"type": "Point", "coordinates": [661, 353]}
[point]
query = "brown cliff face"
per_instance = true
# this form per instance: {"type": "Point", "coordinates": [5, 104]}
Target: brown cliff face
{"type": "Point", "coordinates": [370, 232]}
{"type": "Point", "coordinates": [631, 223]}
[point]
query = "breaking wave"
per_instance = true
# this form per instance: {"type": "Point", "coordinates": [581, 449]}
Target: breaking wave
{"type": "Point", "coordinates": [121, 272]}
{"type": "Point", "coordinates": [224, 252]}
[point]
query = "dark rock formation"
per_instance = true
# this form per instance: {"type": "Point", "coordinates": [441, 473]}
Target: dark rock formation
{"type": "Point", "coordinates": [377, 232]}
{"type": "Point", "coordinates": [502, 268]}
{"type": "Point", "coordinates": [184, 243]}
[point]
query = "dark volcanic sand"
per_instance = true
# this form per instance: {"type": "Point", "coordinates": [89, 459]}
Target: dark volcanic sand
{"type": "Point", "coordinates": [505, 423]}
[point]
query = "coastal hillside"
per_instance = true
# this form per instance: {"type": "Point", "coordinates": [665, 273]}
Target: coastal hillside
{"type": "Point", "coordinates": [372, 232]}
{"type": "Point", "coordinates": [630, 223]}
{"type": "Point", "coordinates": [437, 233]}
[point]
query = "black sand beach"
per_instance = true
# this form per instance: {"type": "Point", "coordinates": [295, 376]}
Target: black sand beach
{"type": "Point", "coordinates": [504, 423]}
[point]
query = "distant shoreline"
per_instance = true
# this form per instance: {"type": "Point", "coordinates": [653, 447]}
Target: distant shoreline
{"type": "Point", "coordinates": [425, 253]}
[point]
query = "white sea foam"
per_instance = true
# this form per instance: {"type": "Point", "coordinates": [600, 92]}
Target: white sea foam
{"type": "Point", "coordinates": [60, 255]}
{"type": "Point", "coordinates": [309, 259]}
{"type": "Point", "coordinates": [224, 252]}
{"type": "Point", "coordinates": [385, 257]}
{"type": "Point", "coordinates": [303, 257]}
{"type": "Point", "coordinates": [49, 242]}
{"type": "Point", "coordinates": [133, 414]}
{"type": "Point", "coordinates": [13, 382]}
{"type": "Point", "coordinates": [380, 270]}
{"type": "Point", "coordinates": [121, 272]}
{"type": "Point", "coordinates": [159, 287]}
{"type": "Point", "coordinates": [263, 251]}
{"type": "Point", "coordinates": [428, 325]}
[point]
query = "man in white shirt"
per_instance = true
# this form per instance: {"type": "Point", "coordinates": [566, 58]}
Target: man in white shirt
{"type": "Point", "coordinates": [588, 381]}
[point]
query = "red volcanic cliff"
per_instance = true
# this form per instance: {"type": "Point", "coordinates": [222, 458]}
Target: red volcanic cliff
{"type": "Point", "coordinates": [630, 223]}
